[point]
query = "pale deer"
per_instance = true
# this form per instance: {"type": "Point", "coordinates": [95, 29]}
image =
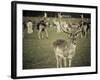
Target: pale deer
{"type": "Point", "coordinates": [65, 49]}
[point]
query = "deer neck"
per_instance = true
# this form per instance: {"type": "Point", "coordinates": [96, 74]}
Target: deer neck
{"type": "Point", "coordinates": [72, 42]}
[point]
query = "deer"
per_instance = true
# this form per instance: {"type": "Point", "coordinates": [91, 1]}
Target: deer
{"type": "Point", "coordinates": [42, 27]}
{"type": "Point", "coordinates": [65, 50]}
{"type": "Point", "coordinates": [85, 26]}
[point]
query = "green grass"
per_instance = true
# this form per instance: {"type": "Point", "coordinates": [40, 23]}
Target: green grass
{"type": "Point", "coordinates": [39, 53]}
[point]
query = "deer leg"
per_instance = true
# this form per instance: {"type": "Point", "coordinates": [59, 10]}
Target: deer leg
{"type": "Point", "coordinates": [57, 59]}
{"type": "Point", "coordinates": [60, 61]}
{"type": "Point", "coordinates": [39, 33]}
{"type": "Point", "coordinates": [42, 35]}
{"type": "Point", "coordinates": [46, 33]}
{"type": "Point", "coordinates": [85, 31]}
{"type": "Point", "coordinates": [70, 61]}
{"type": "Point", "coordinates": [65, 63]}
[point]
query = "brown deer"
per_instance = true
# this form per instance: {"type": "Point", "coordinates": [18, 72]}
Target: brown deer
{"type": "Point", "coordinates": [65, 49]}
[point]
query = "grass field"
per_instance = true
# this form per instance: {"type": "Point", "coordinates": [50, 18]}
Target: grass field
{"type": "Point", "coordinates": [39, 54]}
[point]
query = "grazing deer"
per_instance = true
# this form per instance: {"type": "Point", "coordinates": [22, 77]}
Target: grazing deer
{"type": "Point", "coordinates": [65, 49]}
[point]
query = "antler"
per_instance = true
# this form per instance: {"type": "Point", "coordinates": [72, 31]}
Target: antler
{"type": "Point", "coordinates": [77, 32]}
{"type": "Point", "coordinates": [62, 28]}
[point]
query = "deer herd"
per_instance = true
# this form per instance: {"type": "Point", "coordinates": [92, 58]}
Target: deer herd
{"type": "Point", "coordinates": [64, 50]}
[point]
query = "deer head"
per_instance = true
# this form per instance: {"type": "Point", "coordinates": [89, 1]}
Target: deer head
{"type": "Point", "coordinates": [72, 33]}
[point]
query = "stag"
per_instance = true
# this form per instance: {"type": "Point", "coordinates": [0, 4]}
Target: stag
{"type": "Point", "coordinates": [65, 49]}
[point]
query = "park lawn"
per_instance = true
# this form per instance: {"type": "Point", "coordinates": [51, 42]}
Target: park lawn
{"type": "Point", "coordinates": [38, 54]}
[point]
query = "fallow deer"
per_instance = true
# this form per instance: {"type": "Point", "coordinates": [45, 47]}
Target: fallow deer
{"type": "Point", "coordinates": [65, 49]}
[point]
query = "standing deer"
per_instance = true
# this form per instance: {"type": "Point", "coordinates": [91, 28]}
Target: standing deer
{"type": "Point", "coordinates": [65, 49]}
{"type": "Point", "coordinates": [42, 27]}
{"type": "Point", "coordinates": [85, 26]}
{"type": "Point", "coordinates": [29, 27]}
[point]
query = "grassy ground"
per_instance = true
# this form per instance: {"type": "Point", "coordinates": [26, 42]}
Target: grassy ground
{"type": "Point", "coordinates": [39, 53]}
